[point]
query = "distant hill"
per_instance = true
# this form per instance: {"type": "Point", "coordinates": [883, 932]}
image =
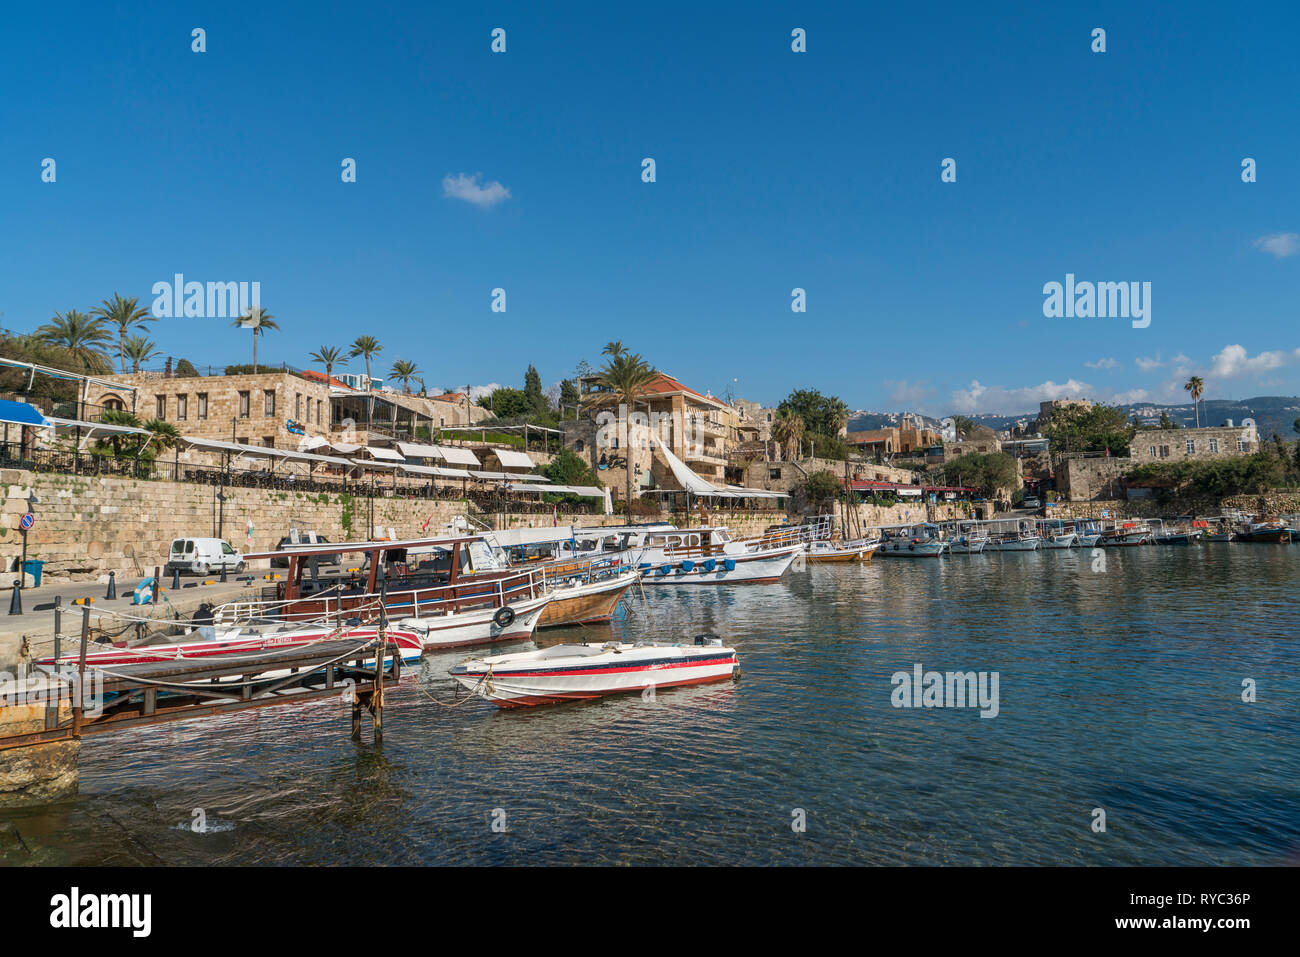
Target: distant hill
{"type": "Point", "coordinates": [1272, 414]}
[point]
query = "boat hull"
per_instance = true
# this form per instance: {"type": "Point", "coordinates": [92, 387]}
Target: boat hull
{"type": "Point", "coordinates": [913, 549]}
{"type": "Point", "coordinates": [861, 553]}
{"type": "Point", "coordinates": [585, 604]}
{"type": "Point", "coordinates": [532, 679]}
{"type": "Point", "coordinates": [751, 569]}
{"type": "Point", "coordinates": [479, 627]}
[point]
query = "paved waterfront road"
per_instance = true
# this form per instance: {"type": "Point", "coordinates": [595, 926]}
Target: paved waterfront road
{"type": "Point", "coordinates": [1120, 689]}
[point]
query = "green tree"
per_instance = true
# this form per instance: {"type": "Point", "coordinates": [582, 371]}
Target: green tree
{"type": "Point", "coordinates": [1196, 386]}
{"type": "Point", "coordinates": [787, 433]}
{"type": "Point", "coordinates": [821, 489]}
{"type": "Point", "coordinates": [80, 337]}
{"type": "Point", "coordinates": [1095, 429]}
{"type": "Point", "coordinates": [623, 381]}
{"type": "Point", "coordinates": [404, 371]}
{"type": "Point", "coordinates": [260, 321]}
{"type": "Point", "coordinates": [570, 398]}
{"type": "Point", "coordinates": [125, 314]}
{"type": "Point", "coordinates": [185, 370]}
{"type": "Point", "coordinates": [329, 357]}
{"type": "Point", "coordinates": [368, 347]}
{"type": "Point", "coordinates": [533, 389]}
{"type": "Point", "coordinates": [139, 349]}
{"type": "Point", "coordinates": [990, 472]}
{"type": "Point", "coordinates": [507, 403]}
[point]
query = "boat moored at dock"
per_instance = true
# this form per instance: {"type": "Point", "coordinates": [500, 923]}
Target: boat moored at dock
{"type": "Point", "coordinates": [580, 672]}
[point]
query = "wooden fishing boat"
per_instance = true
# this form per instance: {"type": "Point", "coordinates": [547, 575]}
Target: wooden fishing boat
{"type": "Point", "coordinates": [584, 671]}
{"type": "Point", "coordinates": [708, 555]}
{"type": "Point", "coordinates": [858, 550]}
{"type": "Point", "coordinates": [1125, 534]}
{"type": "Point", "coordinates": [451, 591]}
{"type": "Point", "coordinates": [1267, 531]}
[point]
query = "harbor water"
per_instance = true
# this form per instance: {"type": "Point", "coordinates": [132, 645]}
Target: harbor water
{"type": "Point", "coordinates": [1120, 692]}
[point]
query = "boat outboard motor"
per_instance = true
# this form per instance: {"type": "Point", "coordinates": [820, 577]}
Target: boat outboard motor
{"type": "Point", "coordinates": [709, 640]}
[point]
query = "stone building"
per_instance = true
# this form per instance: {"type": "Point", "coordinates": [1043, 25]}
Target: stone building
{"type": "Point", "coordinates": [905, 439]}
{"type": "Point", "coordinates": [699, 429]}
{"type": "Point", "coordinates": [275, 409]}
{"type": "Point", "coordinates": [1045, 409]}
{"type": "Point", "coordinates": [754, 421]}
{"type": "Point", "coordinates": [1173, 445]}
{"type": "Point", "coordinates": [282, 409]}
{"type": "Point", "coordinates": [983, 444]}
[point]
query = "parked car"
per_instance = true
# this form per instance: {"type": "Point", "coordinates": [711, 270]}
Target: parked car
{"type": "Point", "coordinates": [199, 556]}
{"type": "Point", "coordinates": [1031, 501]}
{"type": "Point", "coordinates": [287, 541]}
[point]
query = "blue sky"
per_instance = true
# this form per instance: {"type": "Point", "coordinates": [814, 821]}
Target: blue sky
{"type": "Point", "coordinates": [775, 170]}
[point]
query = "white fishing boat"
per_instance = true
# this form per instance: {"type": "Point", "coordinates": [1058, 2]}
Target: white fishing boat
{"type": "Point", "coordinates": [1056, 534]}
{"type": "Point", "coordinates": [1088, 531]}
{"type": "Point", "coordinates": [583, 671]}
{"type": "Point", "coordinates": [913, 541]}
{"type": "Point", "coordinates": [708, 555]}
{"type": "Point", "coordinates": [966, 538]}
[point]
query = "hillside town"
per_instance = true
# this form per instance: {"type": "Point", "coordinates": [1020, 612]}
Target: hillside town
{"type": "Point", "coordinates": [87, 396]}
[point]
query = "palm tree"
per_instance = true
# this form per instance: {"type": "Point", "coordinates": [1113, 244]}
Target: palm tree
{"type": "Point", "coordinates": [139, 349]}
{"type": "Point", "coordinates": [623, 380]}
{"type": "Point", "coordinates": [123, 313]}
{"type": "Point", "coordinates": [329, 357]}
{"type": "Point", "coordinates": [787, 433]}
{"type": "Point", "coordinates": [1196, 386]}
{"type": "Point", "coordinates": [165, 435]}
{"type": "Point", "coordinates": [367, 346]}
{"type": "Point", "coordinates": [257, 319]}
{"type": "Point", "coordinates": [81, 336]}
{"type": "Point", "coordinates": [405, 371]}
{"type": "Point", "coordinates": [613, 349]}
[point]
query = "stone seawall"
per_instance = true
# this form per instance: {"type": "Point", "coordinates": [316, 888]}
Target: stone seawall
{"type": "Point", "coordinates": [88, 526]}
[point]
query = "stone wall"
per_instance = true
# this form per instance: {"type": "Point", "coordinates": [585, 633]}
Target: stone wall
{"type": "Point", "coordinates": [88, 526]}
{"type": "Point", "coordinates": [1084, 479]}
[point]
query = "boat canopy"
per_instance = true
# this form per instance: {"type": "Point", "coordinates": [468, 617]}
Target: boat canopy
{"type": "Point", "coordinates": [20, 413]}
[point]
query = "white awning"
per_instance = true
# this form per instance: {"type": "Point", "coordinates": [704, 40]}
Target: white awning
{"type": "Point", "coordinates": [369, 464]}
{"type": "Point", "coordinates": [590, 491]}
{"type": "Point", "coordinates": [698, 486]}
{"type": "Point", "coordinates": [531, 478]}
{"type": "Point", "coordinates": [414, 450]}
{"type": "Point", "coordinates": [490, 475]}
{"type": "Point", "coordinates": [457, 456]}
{"type": "Point", "coordinates": [908, 491]}
{"type": "Point", "coordinates": [262, 452]}
{"type": "Point", "coordinates": [511, 459]}
{"type": "Point", "coordinates": [347, 448]}
{"type": "Point", "coordinates": [388, 455]}
{"type": "Point", "coordinates": [435, 470]}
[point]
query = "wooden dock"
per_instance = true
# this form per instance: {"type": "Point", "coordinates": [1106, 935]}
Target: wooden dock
{"type": "Point", "coordinates": [44, 716]}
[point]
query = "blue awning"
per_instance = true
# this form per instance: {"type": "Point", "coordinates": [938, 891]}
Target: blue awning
{"type": "Point", "coordinates": [20, 413]}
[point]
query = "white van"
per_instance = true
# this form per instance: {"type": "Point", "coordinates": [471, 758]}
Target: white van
{"type": "Point", "coordinates": [202, 555]}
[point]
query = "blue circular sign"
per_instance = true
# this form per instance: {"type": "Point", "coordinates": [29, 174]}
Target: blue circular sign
{"type": "Point", "coordinates": [28, 521]}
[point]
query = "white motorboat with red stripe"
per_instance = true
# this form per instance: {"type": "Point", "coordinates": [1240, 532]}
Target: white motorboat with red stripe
{"type": "Point", "coordinates": [583, 671]}
{"type": "Point", "coordinates": [202, 640]}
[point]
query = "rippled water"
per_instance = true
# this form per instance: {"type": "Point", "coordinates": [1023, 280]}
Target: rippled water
{"type": "Point", "coordinates": [1119, 690]}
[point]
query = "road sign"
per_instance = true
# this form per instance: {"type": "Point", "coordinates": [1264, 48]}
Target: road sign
{"type": "Point", "coordinates": [28, 521]}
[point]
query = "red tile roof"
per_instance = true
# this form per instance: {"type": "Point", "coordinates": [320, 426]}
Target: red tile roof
{"type": "Point", "coordinates": [320, 377]}
{"type": "Point", "coordinates": [664, 384]}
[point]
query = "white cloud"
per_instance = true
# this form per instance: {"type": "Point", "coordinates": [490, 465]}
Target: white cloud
{"type": "Point", "coordinates": [466, 187]}
{"type": "Point", "coordinates": [1233, 361]}
{"type": "Point", "coordinates": [1147, 365]}
{"type": "Point", "coordinates": [1106, 363]}
{"type": "Point", "coordinates": [979, 398]}
{"type": "Point", "coordinates": [477, 392]}
{"type": "Point", "coordinates": [1280, 245]}
{"type": "Point", "coordinates": [909, 394]}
